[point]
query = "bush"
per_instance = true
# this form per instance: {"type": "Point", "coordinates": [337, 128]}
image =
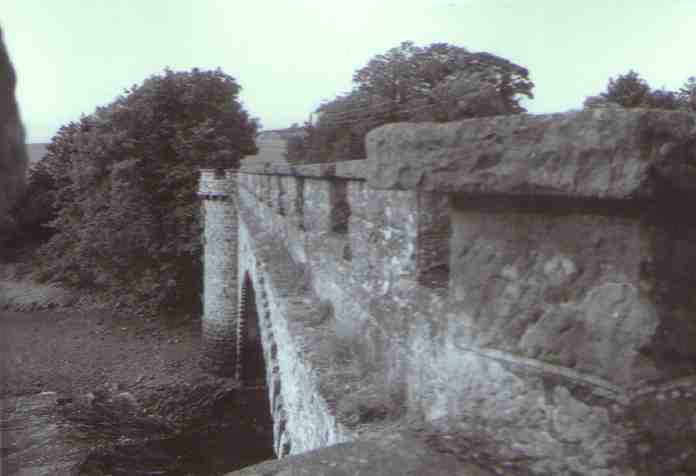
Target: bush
{"type": "Point", "coordinates": [123, 182]}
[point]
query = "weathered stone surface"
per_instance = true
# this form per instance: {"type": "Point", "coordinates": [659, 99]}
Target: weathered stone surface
{"type": "Point", "coordinates": [35, 441]}
{"type": "Point", "coordinates": [394, 455]}
{"type": "Point", "coordinates": [537, 307]}
{"type": "Point", "coordinates": [350, 169]}
{"type": "Point", "coordinates": [13, 156]}
{"type": "Point", "coordinates": [291, 326]}
{"type": "Point", "coordinates": [220, 299]}
{"type": "Point", "coordinates": [596, 153]}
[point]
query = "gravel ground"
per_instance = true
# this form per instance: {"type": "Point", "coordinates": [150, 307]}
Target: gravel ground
{"type": "Point", "coordinates": [76, 352]}
{"type": "Point", "coordinates": [56, 346]}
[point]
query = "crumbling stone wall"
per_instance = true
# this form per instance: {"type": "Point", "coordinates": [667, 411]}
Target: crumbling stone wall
{"type": "Point", "coordinates": [13, 156]}
{"type": "Point", "coordinates": [523, 282]}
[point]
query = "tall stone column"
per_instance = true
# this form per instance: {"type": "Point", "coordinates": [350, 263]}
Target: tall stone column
{"type": "Point", "coordinates": [220, 300]}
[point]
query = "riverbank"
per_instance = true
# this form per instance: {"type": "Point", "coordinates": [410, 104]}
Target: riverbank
{"type": "Point", "coordinates": [115, 392]}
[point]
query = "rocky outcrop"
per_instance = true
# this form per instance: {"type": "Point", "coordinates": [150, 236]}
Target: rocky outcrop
{"type": "Point", "coordinates": [595, 153]}
{"type": "Point", "coordinates": [13, 156]}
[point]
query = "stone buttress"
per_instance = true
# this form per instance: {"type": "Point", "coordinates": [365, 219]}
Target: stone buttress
{"type": "Point", "coordinates": [217, 189]}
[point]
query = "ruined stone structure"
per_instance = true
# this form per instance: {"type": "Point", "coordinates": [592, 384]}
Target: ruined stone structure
{"type": "Point", "coordinates": [513, 294]}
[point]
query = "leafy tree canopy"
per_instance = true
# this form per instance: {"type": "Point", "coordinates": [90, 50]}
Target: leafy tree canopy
{"type": "Point", "coordinates": [630, 90]}
{"type": "Point", "coordinates": [438, 82]}
{"type": "Point", "coordinates": [13, 155]}
{"type": "Point", "coordinates": [409, 71]}
{"type": "Point", "coordinates": [123, 184]}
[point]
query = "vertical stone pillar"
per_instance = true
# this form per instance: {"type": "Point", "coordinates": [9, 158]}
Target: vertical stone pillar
{"type": "Point", "coordinates": [220, 301]}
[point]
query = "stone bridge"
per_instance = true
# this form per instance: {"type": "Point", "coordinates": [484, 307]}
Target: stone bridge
{"type": "Point", "coordinates": [506, 295]}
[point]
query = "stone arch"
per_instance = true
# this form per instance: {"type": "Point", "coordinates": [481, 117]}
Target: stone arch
{"type": "Point", "coordinates": [251, 367]}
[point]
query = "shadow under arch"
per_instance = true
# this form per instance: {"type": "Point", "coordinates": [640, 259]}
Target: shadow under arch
{"type": "Point", "coordinates": [251, 367]}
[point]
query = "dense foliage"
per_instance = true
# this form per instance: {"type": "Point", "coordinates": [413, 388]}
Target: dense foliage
{"type": "Point", "coordinates": [35, 209]}
{"type": "Point", "coordinates": [439, 82]}
{"type": "Point", "coordinates": [13, 156]}
{"type": "Point", "coordinates": [630, 90]}
{"type": "Point", "coordinates": [122, 183]}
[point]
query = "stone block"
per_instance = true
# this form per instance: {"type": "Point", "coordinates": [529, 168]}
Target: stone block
{"type": "Point", "coordinates": [596, 153]}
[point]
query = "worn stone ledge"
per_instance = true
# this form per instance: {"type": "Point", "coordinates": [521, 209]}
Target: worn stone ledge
{"type": "Point", "coordinates": [394, 454]}
{"type": "Point", "coordinates": [598, 386]}
{"type": "Point", "coordinates": [610, 153]}
{"type": "Point", "coordinates": [350, 169]}
{"type": "Point", "coordinates": [311, 421]}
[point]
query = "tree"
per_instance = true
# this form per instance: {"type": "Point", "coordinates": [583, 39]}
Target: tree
{"type": "Point", "coordinates": [13, 155]}
{"type": "Point", "coordinates": [124, 185]}
{"type": "Point", "coordinates": [664, 99]}
{"type": "Point", "coordinates": [687, 94]}
{"type": "Point", "coordinates": [410, 72]}
{"type": "Point", "coordinates": [439, 82]}
{"type": "Point", "coordinates": [35, 209]}
{"type": "Point", "coordinates": [630, 90]}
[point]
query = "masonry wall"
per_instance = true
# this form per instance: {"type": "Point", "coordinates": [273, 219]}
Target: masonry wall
{"type": "Point", "coordinates": [291, 318]}
{"type": "Point", "coordinates": [540, 317]}
{"type": "Point", "coordinates": [217, 190]}
{"type": "Point", "coordinates": [449, 343]}
{"type": "Point", "coordinates": [366, 250]}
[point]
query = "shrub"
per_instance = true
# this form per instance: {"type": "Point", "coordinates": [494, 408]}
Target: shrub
{"type": "Point", "coordinates": [125, 177]}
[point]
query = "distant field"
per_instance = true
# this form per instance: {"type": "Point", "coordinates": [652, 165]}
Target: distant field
{"type": "Point", "coordinates": [271, 146]}
{"type": "Point", "coordinates": [36, 152]}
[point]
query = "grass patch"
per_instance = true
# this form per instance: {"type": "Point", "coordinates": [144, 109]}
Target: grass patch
{"type": "Point", "coordinates": [356, 379]}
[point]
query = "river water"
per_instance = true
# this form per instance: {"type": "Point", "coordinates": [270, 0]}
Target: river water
{"type": "Point", "coordinates": [230, 440]}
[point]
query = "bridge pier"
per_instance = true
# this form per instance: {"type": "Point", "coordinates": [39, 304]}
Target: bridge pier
{"type": "Point", "coordinates": [217, 189]}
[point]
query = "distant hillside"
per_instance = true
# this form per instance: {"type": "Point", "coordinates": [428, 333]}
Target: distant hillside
{"type": "Point", "coordinates": [271, 145]}
{"type": "Point", "coordinates": [36, 152]}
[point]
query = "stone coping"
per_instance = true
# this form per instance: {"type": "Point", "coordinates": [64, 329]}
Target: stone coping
{"type": "Point", "coordinates": [605, 153]}
{"type": "Point", "coordinates": [601, 153]}
{"type": "Point", "coordinates": [349, 169]}
{"type": "Point", "coordinates": [392, 454]}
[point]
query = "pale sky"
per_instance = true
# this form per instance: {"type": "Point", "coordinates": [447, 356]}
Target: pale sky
{"type": "Point", "coordinates": [288, 55]}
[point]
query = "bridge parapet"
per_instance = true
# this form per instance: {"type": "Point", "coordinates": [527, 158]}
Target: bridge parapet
{"type": "Point", "coordinates": [525, 278]}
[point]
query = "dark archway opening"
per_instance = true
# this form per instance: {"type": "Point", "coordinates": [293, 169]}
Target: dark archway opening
{"type": "Point", "coordinates": [251, 367]}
